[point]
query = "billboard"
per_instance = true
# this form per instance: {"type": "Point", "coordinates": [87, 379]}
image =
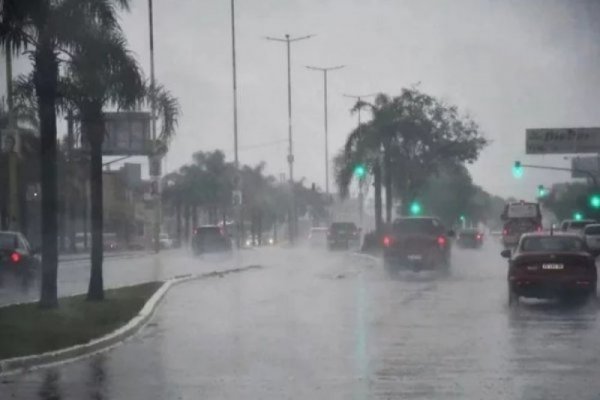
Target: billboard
{"type": "Point", "coordinates": [127, 133]}
{"type": "Point", "coordinates": [562, 140]}
{"type": "Point", "coordinates": [589, 164]}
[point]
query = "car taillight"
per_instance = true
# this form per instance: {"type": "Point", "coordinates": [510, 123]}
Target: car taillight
{"type": "Point", "coordinates": [441, 241]}
{"type": "Point", "coordinates": [387, 241]}
{"type": "Point", "coordinates": [15, 257]}
{"type": "Point", "coordinates": [505, 232]}
{"type": "Point", "coordinates": [479, 236]}
{"type": "Point", "coordinates": [539, 228]}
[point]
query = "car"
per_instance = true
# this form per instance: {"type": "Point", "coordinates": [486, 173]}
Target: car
{"type": "Point", "coordinates": [16, 254]}
{"type": "Point", "coordinates": [317, 237]}
{"type": "Point", "coordinates": [418, 243]}
{"type": "Point", "coordinates": [548, 265]}
{"type": "Point", "coordinates": [470, 238]}
{"type": "Point", "coordinates": [591, 234]}
{"type": "Point", "coordinates": [210, 239]}
{"type": "Point", "coordinates": [343, 235]}
{"type": "Point", "coordinates": [576, 226]}
{"type": "Point", "coordinates": [165, 241]}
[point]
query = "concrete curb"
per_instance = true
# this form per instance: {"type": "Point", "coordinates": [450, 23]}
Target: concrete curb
{"type": "Point", "coordinates": [21, 364]}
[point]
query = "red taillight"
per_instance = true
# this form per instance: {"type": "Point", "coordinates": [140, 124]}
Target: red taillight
{"type": "Point", "coordinates": [441, 241]}
{"type": "Point", "coordinates": [479, 236]}
{"type": "Point", "coordinates": [387, 241]}
{"type": "Point", "coordinates": [15, 257]}
{"type": "Point", "coordinates": [505, 232]}
{"type": "Point", "coordinates": [539, 228]}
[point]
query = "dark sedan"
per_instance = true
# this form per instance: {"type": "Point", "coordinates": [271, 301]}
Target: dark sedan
{"type": "Point", "coordinates": [550, 265]}
{"type": "Point", "coordinates": [16, 254]}
{"type": "Point", "coordinates": [469, 239]}
{"type": "Point", "coordinates": [210, 239]}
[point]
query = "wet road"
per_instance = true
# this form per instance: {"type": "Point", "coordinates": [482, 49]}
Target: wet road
{"type": "Point", "coordinates": [121, 270]}
{"type": "Point", "coordinates": [315, 325]}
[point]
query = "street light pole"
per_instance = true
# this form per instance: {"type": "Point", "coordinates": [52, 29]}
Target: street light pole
{"type": "Point", "coordinates": [325, 71]}
{"type": "Point", "coordinates": [152, 159]}
{"type": "Point", "coordinates": [238, 198]}
{"type": "Point", "coordinates": [290, 158]}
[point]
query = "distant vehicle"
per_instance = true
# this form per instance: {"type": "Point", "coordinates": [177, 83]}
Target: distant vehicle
{"type": "Point", "coordinates": [16, 254]}
{"type": "Point", "coordinates": [417, 242]}
{"type": "Point", "coordinates": [591, 234]}
{"type": "Point", "coordinates": [519, 218]}
{"type": "Point", "coordinates": [165, 241]}
{"type": "Point", "coordinates": [210, 239]}
{"type": "Point", "coordinates": [343, 235]}
{"type": "Point", "coordinates": [576, 226]}
{"type": "Point", "coordinates": [470, 238]}
{"type": "Point", "coordinates": [317, 237]}
{"type": "Point", "coordinates": [110, 241]}
{"type": "Point", "coordinates": [547, 265]}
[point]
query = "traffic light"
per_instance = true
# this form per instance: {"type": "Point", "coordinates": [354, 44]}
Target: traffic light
{"type": "Point", "coordinates": [594, 201]}
{"type": "Point", "coordinates": [415, 208]}
{"type": "Point", "coordinates": [462, 218]}
{"type": "Point", "coordinates": [542, 192]}
{"type": "Point", "coordinates": [517, 170]}
{"type": "Point", "coordinates": [360, 171]}
{"type": "Point", "coordinates": [577, 216]}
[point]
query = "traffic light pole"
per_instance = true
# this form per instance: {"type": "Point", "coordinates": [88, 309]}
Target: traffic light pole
{"type": "Point", "coordinates": [588, 173]}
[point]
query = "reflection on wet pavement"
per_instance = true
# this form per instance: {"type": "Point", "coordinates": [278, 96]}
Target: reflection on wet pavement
{"type": "Point", "coordinates": [318, 325]}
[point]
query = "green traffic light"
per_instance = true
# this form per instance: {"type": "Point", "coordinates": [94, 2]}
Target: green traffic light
{"type": "Point", "coordinates": [577, 216]}
{"type": "Point", "coordinates": [415, 208]}
{"type": "Point", "coordinates": [517, 170]}
{"type": "Point", "coordinates": [542, 192]}
{"type": "Point", "coordinates": [595, 201]}
{"type": "Point", "coordinates": [360, 171]}
{"type": "Point", "coordinates": [462, 218]}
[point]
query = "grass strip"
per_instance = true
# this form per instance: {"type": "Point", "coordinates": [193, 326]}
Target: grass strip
{"type": "Point", "coordinates": [25, 329]}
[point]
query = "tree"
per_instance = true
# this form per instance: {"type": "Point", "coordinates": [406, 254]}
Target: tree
{"type": "Point", "coordinates": [100, 73]}
{"type": "Point", "coordinates": [50, 29]}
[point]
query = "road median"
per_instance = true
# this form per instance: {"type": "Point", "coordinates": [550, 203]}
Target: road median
{"type": "Point", "coordinates": [32, 338]}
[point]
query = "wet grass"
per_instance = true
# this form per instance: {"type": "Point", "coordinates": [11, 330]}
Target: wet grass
{"type": "Point", "coordinates": [26, 329]}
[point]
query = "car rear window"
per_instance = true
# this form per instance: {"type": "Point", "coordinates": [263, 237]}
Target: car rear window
{"type": "Point", "coordinates": [592, 230]}
{"type": "Point", "coordinates": [209, 232]}
{"type": "Point", "coordinates": [343, 227]}
{"type": "Point", "coordinates": [417, 225]}
{"type": "Point", "coordinates": [580, 224]}
{"type": "Point", "coordinates": [8, 241]}
{"type": "Point", "coordinates": [551, 243]}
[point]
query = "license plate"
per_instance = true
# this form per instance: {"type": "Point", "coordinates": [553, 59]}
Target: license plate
{"type": "Point", "coordinates": [415, 257]}
{"type": "Point", "coordinates": [553, 266]}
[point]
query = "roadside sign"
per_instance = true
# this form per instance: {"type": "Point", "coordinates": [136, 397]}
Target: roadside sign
{"type": "Point", "coordinates": [581, 165]}
{"type": "Point", "coordinates": [562, 140]}
{"type": "Point", "coordinates": [237, 197]}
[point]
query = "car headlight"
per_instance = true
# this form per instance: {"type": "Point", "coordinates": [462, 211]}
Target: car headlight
{"type": "Point", "coordinates": [271, 241]}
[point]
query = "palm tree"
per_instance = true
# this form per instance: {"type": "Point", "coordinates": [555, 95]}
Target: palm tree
{"type": "Point", "coordinates": [100, 73]}
{"type": "Point", "coordinates": [50, 28]}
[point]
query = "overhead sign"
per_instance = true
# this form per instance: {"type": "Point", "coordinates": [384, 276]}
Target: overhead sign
{"type": "Point", "coordinates": [562, 140]}
{"type": "Point", "coordinates": [582, 167]}
{"type": "Point", "coordinates": [127, 133]}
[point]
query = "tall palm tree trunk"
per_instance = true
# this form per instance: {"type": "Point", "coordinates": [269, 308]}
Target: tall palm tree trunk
{"type": "Point", "coordinates": [186, 222]}
{"type": "Point", "coordinates": [387, 167]}
{"type": "Point", "coordinates": [96, 286]}
{"type": "Point", "coordinates": [377, 184]}
{"type": "Point", "coordinates": [46, 77]}
{"type": "Point", "coordinates": [178, 221]}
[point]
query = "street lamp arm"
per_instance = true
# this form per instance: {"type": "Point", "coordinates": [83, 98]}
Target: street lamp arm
{"type": "Point", "coordinates": [588, 173]}
{"type": "Point", "coordinates": [301, 38]}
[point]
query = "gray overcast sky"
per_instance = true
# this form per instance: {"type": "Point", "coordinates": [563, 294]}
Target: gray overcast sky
{"type": "Point", "coordinates": [509, 64]}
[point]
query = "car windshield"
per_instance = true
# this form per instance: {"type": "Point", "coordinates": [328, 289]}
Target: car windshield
{"type": "Point", "coordinates": [266, 199]}
{"type": "Point", "coordinates": [8, 241]}
{"type": "Point", "coordinates": [552, 244]}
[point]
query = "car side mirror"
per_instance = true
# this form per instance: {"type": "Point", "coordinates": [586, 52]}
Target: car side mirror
{"type": "Point", "coordinates": [505, 253]}
{"type": "Point", "coordinates": [451, 233]}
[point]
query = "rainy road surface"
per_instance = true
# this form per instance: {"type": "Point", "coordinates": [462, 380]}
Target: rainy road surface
{"type": "Point", "coordinates": [317, 325]}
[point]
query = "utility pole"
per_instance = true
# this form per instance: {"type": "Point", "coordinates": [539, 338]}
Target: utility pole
{"type": "Point", "coordinates": [154, 158]}
{"type": "Point", "coordinates": [361, 180]}
{"type": "Point", "coordinates": [238, 200]}
{"type": "Point", "coordinates": [325, 71]}
{"type": "Point", "coordinates": [290, 158]}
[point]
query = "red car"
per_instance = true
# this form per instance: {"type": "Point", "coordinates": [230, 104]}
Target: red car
{"type": "Point", "coordinates": [548, 265]}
